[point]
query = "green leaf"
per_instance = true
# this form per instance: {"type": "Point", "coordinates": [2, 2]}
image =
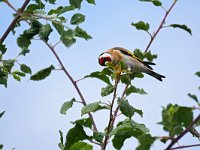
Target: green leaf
{"type": "Point", "coordinates": [16, 77]}
{"type": "Point", "coordinates": [3, 78]}
{"type": "Point", "coordinates": [26, 69]}
{"type": "Point", "coordinates": [8, 64]}
{"type": "Point", "coordinates": [198, 73]}
{"type": "Point", "coordinates": [127, 129]}
{"type": "Point", "coordinates": [51, 1]}
{"type": "Point", "coordinates": [175, 118]}
{"type": "Point", "coordinates": [92, 107]}
{"type": "Point", "coordinates": [77, 19]}
{"type": "Point", "coordinates": [24, 40]}
{"type": "Point", "coordinates": [86, 122]}
{"type": "Point", "coordinates": [66, 106]}
{"type": "Point", "coordinates": [149, 56]}
{"type": "Point", "coordinates": [60, 10]}
{"type": "Point", "coordinates": [45, 31]}
{"type": "Point", "coordinates": [42, 74]}
{"type": "Point", "coordinates": [98, 136]}
{"type": "Point", "coordinates": [59, 27]}
{"type": "Point", "coordinates": [32, 7]}
{"type": "Point", "coordinates": [155, 2]}
{"type": "Point", "coordinates": [99, 75]}
{"type": "Point", "coordinates": [107, 90]}
{"type": "Point", "coordinates": [1, 146]}
{"type": "Point", "coordinates": [67, 38]}
{"type": "Point", "coordinates": [61, 144]}
{"type": "Point", "coordinates": [81, 146]}
{"type": "Point", "coordinates": [91, 1]}
{"type": "Point", "coordinates": [21, 74]}
{"type": "Point", "coordinates": [125, 79]}
{"type": "Point", "coordinates": [132, 89]}
{"type": "Point", "coordinates": [24, 51]}
{"type": "Point", "coordinates": [127, 109]}
{"type": "Point", "coordinates": [2, 48]}
{"type": "Point", "coordinates": [145, 140]}
{"type": "Point", "coordinates": [2, 113]}
{"type": "Point", "coordinates": [194, 97]}
{"type": "Point", "coordinates": [79, 32]}
{"type": "Point", "coordinates": [75, 3]}
{"type": "Point", "coordinates": [183, 27]}
{"type": "Point", "coordinates": [74, 135]}
{"type": "Point", "coordinates": [141, 25]}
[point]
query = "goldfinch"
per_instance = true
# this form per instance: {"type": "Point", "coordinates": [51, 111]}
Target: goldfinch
{"type": "Point", "coordinates": [135, 64]}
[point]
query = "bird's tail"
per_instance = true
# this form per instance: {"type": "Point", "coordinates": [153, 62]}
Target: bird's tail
{"type": "Point", "coordinates": [155, 75]}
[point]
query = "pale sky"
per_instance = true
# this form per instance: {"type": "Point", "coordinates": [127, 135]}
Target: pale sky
{"type": "Point", "coordinates": [32, 119]}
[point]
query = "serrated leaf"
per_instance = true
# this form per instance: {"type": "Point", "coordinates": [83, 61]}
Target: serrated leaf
{"type": "Point", "coordinates": [141, 25]}
{"type": "Point", "coordinates": [24, 40]}
{"type": "Point", "coordinates": [99, 75]}
{"type": "Point", "coordinates": [24, 51]}
{"type": "Point", "coordinates": [66, 106]}
{"type": "Point", "coordinates": [26, 69]}
{"type": "Point", "coordinates": [79, 32]}
{"type": "Point", "coordinates": [74, 135]}
{"type": "Point", "coordinates": [107, 90]}
{"type": "Point", "coordinates": [59, 27]}
{"type": "Point", "coordinates": [125, 79]}
{"type": "Point", "coordinates": [175, 118]}
{"type": "Point", "coordinates": [2, 113]}
{"type": "Point", "coordinates": [98, 136]}
{"type": "Point", "coordinates": [183, 27]}
{"type": "Point", "coordinates": [127, 109]}
{"type": "Point", "coordinates": [81, 146]}
{"type": "Point", "coordinates": [92, 107]}
{"type": "Point", "coordinates": [154, 2]}
{"type": "Point", "coordinates": [132, 89]}
{"type": "Point", "coordinates": [2, 48]}
{"type": "Point", "coordinates": [91, 1]}
{"type": "Point", "coordinates": [145, 142]}
{"type": "Point", "coordinates": [149, 56]}
{"type": "Point", "coordinates": [194, 97]}
{"type": "Point", "coordinates": [75, 3]}
{"type": "Point", "coordinates": [77, 19]}
{"type": "Point", "coordinates": [127, 129]}
{"type": "Point", "coordinates": [67, 38]}
{"type": "Point", "coordinates": [45, 31]}
{"type": "Point", "coordinates": [42, 74]}
{"type": "Point", "coordinates": [198, 73]}
{"type": "Point", "coordinates": [60, 10]}
{"type": "Point", "coordinates": [86, 122]}
{"type": "Point", "coordinates": [32, 7]}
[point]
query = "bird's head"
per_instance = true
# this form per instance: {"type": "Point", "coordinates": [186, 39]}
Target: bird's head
{"type": "Point", "coordinates": [105, 58]}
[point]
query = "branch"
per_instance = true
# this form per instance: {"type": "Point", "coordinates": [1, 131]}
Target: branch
{"type": "Point", "coordinates": [10, 5]}
{"type": "Point", "coordinates": [13, 23]}
{"type": "Point", "coordinates": [160, 26]}
{"type": "Point", "coordinates": [183, 133]}
{"type": "Point", "coordinates": [72, 81]}
{"type": "Point", "coordinates": [186, 146]}
{"type": "Point", "coordinates": [109, 127]}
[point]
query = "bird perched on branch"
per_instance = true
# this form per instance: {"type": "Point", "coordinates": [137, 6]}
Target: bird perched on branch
{"type": "Point", "coordinates": [135, 64]}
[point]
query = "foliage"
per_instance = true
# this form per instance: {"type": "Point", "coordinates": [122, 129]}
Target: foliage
{"type": "Point", "coordinates": [175, 118]}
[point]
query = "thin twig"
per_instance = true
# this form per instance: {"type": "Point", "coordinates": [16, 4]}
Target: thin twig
{"type": "Point", "coordinates": [10, 5]}
{"type": "Point", "coordinates": [72, 81]}
{"type": "Point", "coordinates": [183, 133]}
{"type": "Point", "coordinates": [13, 23]}
{"type": "Point", "coordinates": [186, 146]}
{"type": "Point", "coordinates": [160, 26]}
{"type": "Point", "coordinates": [109, 127]}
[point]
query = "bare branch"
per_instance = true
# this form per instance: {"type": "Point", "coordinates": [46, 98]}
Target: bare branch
{"type": "Point", "coordinates": [13, 23]}
{"type": "Point", "coordinates": [183, 133]}
{"type": "Point", "coordinates": [160, 26]}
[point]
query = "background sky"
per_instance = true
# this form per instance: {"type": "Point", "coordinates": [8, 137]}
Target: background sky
{"type": "Point", "coordinates": [32, 119]}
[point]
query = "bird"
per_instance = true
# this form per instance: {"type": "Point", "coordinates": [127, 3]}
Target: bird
{"type": "Point", "coordinates": [116, 55]}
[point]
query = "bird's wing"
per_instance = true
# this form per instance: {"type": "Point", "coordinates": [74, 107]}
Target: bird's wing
{"type": "Point", "coordinates": [126, 52]}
